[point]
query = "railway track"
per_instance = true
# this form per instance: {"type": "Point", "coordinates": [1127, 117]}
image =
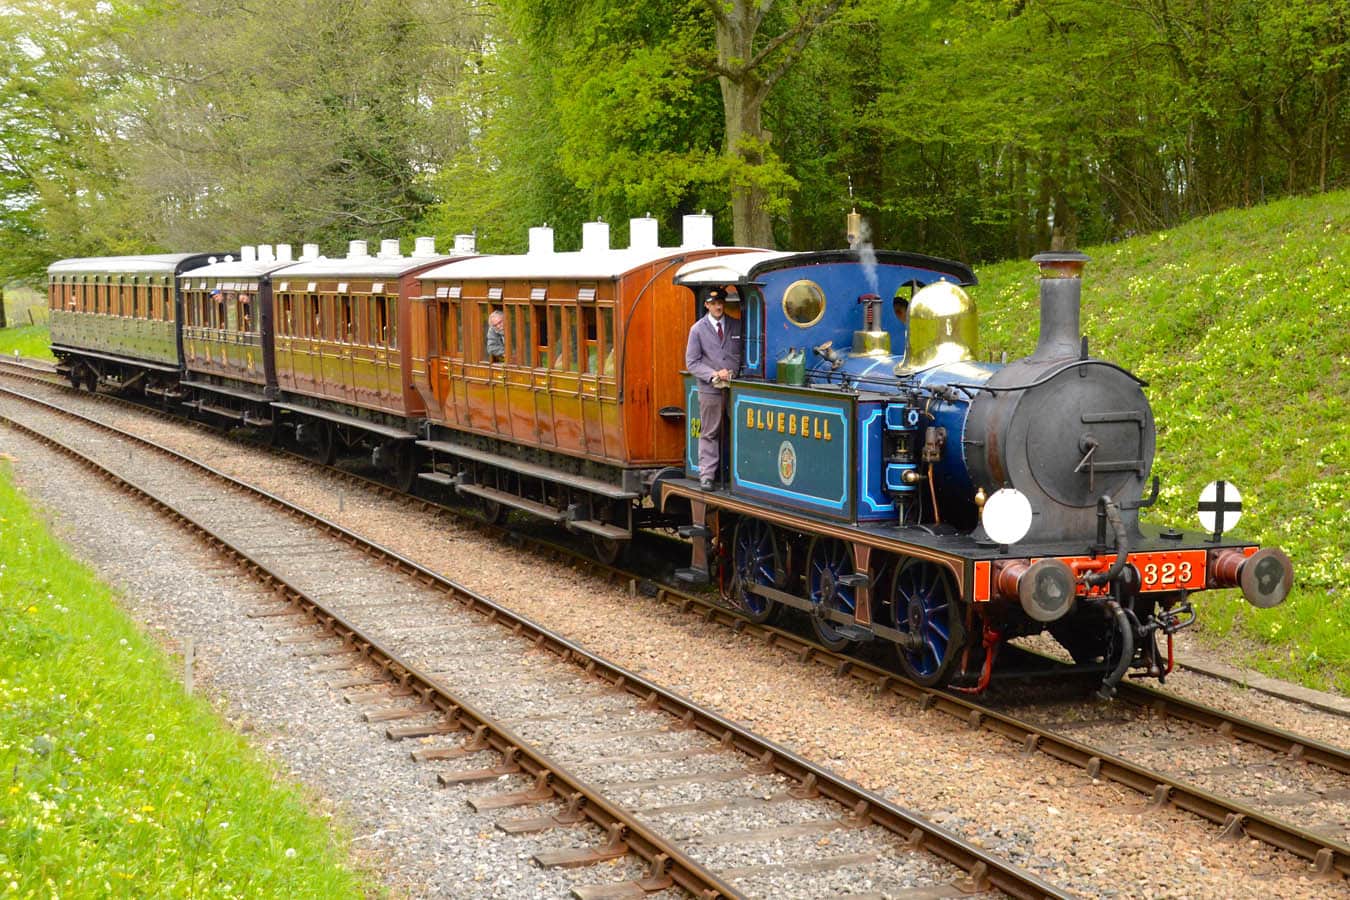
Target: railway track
{"type": "Point", "coordinates": [692, 794]}
{"type": "Point", "coordinates": [1265, 751]}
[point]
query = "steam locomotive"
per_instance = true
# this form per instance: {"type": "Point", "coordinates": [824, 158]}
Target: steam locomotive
{"type": "Point", "coordinates": [911, 494]}
{"type": "Point", "coordinates": [922, 497]}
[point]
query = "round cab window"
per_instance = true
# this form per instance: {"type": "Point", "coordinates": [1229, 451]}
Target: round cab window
{"type": "Point", "coordinates": [804, 303]}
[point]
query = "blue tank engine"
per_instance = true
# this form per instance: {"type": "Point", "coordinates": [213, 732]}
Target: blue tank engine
{"type": "Point", "coordinates": [866, 439]}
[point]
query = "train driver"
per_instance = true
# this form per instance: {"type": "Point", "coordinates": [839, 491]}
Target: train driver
{"type": "Point", "coordinates": [713, 356]}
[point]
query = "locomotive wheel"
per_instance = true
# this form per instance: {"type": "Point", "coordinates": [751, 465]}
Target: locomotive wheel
{"type": "Point", "coordinates": [755, 560]}
{"type": "Point", "coordinates": [1087, 635]}
{"type": "Point", "coordinates": [827, 561]}
{"type": "Point", "coordinates": [923, 602]}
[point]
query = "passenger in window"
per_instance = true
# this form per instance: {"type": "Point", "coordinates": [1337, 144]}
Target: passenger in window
{"type": "Point", "coordinates": [496, 337]}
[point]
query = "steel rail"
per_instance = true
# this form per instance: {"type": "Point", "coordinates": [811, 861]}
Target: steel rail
{"type": "Point", "coordinates": [985, 869]}
{"type": "Point", "coordinates": [1327, 855]}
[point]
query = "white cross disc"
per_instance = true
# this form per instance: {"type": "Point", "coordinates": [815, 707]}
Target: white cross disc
{"type": "Point", "coordinates": [1220, 507]}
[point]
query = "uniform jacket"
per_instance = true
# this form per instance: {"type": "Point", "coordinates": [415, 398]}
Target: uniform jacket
{"type": "Point", "coordinates": [704, 355]}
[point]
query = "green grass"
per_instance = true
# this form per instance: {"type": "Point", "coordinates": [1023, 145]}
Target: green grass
{"type": "Point", "coordinates": [26, 315]}
{"type": "Point", "coordinates": [113, 782]}
{"type": "Point", "coordinates": [1240, 322]}
{"type": "Point", "coordinates": [30, 341]}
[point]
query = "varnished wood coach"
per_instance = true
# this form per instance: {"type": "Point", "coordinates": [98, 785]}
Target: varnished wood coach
{"type": "Point", "coordinates": [584, 408]}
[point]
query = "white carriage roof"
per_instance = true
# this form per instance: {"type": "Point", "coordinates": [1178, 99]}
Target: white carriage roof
{"type": "Point", "coordinates": [726, 269]}
{"type": "Point", "coordinates": [358, 267]}
{"type": "Point", "coordinates": [148, 264]}
{"type": "Point", "coordinates": [236, 268]}
{"type": "Point", "coordinates": [597, 264]}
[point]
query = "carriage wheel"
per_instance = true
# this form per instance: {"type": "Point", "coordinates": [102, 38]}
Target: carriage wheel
{"type": "Point", "coordinates": [828, 560]}
{"type": "Point", "coordinates": [493, 511]}
{"type": "Point", "coordinates": [754, 560]}
{"type": "Point", "coordinates": [405, 466]}
{"type": "Point", "coordinates": [607, 550]}
{"type": "Point", "coordinates": [90, 380]}
{"type": "Point", "coordinates": [924, 603]}
{"type": "Point", "coordinates": [326, 447]}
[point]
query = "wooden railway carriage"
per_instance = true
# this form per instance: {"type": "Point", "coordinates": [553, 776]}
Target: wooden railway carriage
{"type": "Point", "coordinates": [585, 408]}
{"type": "Point", "coordinates": [114, 320]}
{"type": "Point", "coordinates": [227, 335]}
{"type": "Point", "coordinates": [343, 355]}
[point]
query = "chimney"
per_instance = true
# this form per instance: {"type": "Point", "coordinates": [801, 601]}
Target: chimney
{"type": "Point", "coordinates": [424, 247]}
{"type": "Point", "coordinates": [283, 253]}
{"type": "Point", "coordinates": [309, 252]}
{"type": "Point", "coordinates": [698, 231]}
{"type": "Point", "coordinates": [356, 250]}
{"type": "Point", "coordinates": [466, 243]}
{"type": "Point", "coordinates": [389, 249]}
{"type": "Point", "coordinates": [541, 239]}
{"type": "Point", "coordinates": [248, 254]}
{"type": "Point", "coordinates": [594, 236]}
{"type": "Point", "coordinates": [1061, 299]}
{"type": "Point", "coordinates": [642, 234]}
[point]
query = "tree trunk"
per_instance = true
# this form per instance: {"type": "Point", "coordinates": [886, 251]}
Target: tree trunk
{"type": "Point", "coordinates": [746, 139]}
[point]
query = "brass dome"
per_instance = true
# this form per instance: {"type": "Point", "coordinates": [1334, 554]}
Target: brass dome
{"type": "Point", "coordinates": [943, 327]}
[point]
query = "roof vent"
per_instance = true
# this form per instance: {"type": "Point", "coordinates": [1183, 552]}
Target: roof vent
{"type": "Point", "coordinates": [309, 252]}
{"type": "Point", "coordinates": [642, 234]}
{"type": "Point", "coordinates": [698, 231]}
{"type": "Point", "coordinates": [248, 254]}
{"type": "Point", "coordinates": [541, 239]}
{"type": "Point", "coordinates": [466, 243]}
{"type": "Point", "coordinates": [283, 253]}
{"type": "Point", "coordinates": [210, 260]}
{"type": "Point", "coordinates": [265, 253]}
{"type": "Point", "coordinates": [389, 249]}
{"type": "Point", "coordinates": [594, 236]}
{"type": "Point", "coordinates": [356, 250]}
{"type": "Point", "coordinates": [424, 246]}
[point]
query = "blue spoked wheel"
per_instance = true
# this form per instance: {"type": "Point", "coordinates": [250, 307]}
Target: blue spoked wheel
{"type": "Point", "coordinates": [827, 562]}
{"type": "Point", "coordinates": [755, 560]}
{"type": "Point", "coordinates": [924, 604]}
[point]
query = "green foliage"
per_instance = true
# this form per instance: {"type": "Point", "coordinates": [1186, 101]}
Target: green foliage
{"type": "Point", "coordinates": [1239, 323]}
{"type": "Point", "coordinates": [115, 783]}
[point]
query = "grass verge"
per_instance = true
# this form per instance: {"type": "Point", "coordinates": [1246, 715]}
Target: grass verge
{"type": "Point", "coordinates": [112, 780]}
{"type": "Point", "coordinates": [1240, 322]}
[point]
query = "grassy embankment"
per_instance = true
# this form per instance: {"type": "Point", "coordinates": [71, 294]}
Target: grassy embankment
{"type": "Point", "coordinates": [1240, 322]}
{"type": "Point", "coordinates": [113, 782]}
{"type": "Point", "coordinates": [26, 315]}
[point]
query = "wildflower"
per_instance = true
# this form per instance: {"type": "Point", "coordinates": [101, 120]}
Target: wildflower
{"type": "Point", "coordinates": [150, 738]}
{"type": "Point", "coordinates": [290, 852]}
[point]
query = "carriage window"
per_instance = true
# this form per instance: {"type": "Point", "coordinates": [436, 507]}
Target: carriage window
{"type": "Point", "coordinates": [219, 320]}
{"type": "Point", "coordinates": [384, 326]}
{"type": "Point", "coordinates": [450, 345]}
{"type": "Point", "coordinates": [565, 346]}
{"type": "Point", "coordinates": [590, 340]}
{"type": "Point", "coordinates": [245, 313]}
{"type": "Point", "coordinates": [347, 321]}
{"type": "Point", "coordinates": [522, 345]}
{"type": "Point", "coordinates": [606, 341]}
{"type": "Point", "coordinates": [539, 352]}
{"type": "Point", "coordinates": [287, 314]}
{"type": "Point", "coordinates": [315, 317]}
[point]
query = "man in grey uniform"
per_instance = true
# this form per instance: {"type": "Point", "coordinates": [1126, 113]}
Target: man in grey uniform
{"type": "Point", "coordinates": [713, 356]}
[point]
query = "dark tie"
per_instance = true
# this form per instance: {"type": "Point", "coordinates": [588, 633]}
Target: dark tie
{"type": "Point", "coordinates": [719, 330]}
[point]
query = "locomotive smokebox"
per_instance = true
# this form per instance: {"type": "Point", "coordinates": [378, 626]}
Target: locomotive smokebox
{"type": "Point", "coordinates": [1061, 301]}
